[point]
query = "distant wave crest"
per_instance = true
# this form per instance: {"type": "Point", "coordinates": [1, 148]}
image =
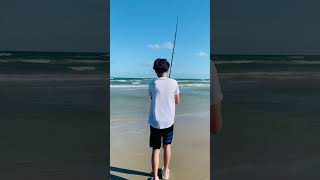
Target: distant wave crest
{"type": "Point", "coordinates": [82, 68]}
{"type": "Point", "coordinates": [36, 61]}
{"type": "Point", "coordinates": [269, 62]}
{"type": "Point", "coordinates": [138, 85]}
{"type": "Point", "coordinates": [5, 54]}
{"type": "Point", "coordinates": [88, 61]}
{"type": "Point", "coordinates": [277, 75]}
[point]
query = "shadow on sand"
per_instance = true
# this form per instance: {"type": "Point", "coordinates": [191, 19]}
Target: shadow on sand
{"type": "Point", "coordinates": [128, 171]}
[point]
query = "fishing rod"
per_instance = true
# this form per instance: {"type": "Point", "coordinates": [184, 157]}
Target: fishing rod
{"type": "Point", "coordinates": [174, 45]}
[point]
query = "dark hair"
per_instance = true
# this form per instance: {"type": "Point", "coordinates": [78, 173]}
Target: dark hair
{"type": "Point", "coordinates": [161, 65]}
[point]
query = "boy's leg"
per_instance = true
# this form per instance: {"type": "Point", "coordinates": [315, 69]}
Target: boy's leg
{"type": "Point", "coordinates": [167, 140]}
{"type": "Point", "coordinates": [155, 162]}
{"type": "Point", "coordinates": [155, 144]}
{"type": "Point", "coordinates": [166, 156]}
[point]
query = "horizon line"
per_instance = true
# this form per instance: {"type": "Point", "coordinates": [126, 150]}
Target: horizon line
{"type": "Point", "coordinates": [213, 54]}
{"type": "Point", "coordinates": [154, 78]}
{"type": "Point", "coordinates": [58, 51]}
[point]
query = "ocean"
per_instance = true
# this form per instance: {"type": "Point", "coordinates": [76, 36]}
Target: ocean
{"type": "Point", "coordinates": [54, 115]}
{"type": "Point", "coordinates": [129, 98]}
{"type": "Point", "coordinates": [277, 66]}
{"type": "Point", "coordinates": [53, 62]}
{"type": "Point", "coordinates": [270, 116]}
{"type": "Point", "coordinates": [143, 82]}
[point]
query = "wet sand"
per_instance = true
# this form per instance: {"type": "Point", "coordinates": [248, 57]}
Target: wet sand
{"type": "Point", "coordinates": [270, 129]}
{"type": "Point", "coordinates": [53, 127]}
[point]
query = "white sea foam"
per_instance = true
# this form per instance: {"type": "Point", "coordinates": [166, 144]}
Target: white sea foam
{"type": "Point", "coordinates": [182, 81]}
{"type": "Point", "coordinates": [67, 61]}
{"type": "Point", "coordinates": [129, 86]}
{"type": "Point", "coordinates": [36, 61]}
{"type": "Point", "coordinates": [237, 62]}
{"type": "Point", "coordinates": [296, 57]}
{"type": "Point", "coordinates": [88, 61]}
{"type": "Point", "coordinates": [199, 85]}
{"type": "Point", "coordinates": [277, 75]}
{"type": "Point", "coordinates": [5, 54]}
{"type": "Point", "coordinates": [306, 62]}
{"type": "Point", "coordinates": [269, 62]}
{"type": "Point", "coordinates": [82, 68]}
{"type": "Point", "coordinates": [3, 61]}
{"type": "Point", "coordinates": [118, 80]}
{"type": "Point", "coordinates": [50, 77]}
{"type": "Point", "coordinates": [136, 85]}
{"type": "Point", "coordinates": [264, 73]}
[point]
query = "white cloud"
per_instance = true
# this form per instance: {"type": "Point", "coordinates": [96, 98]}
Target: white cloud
{"type": "Point", "coordinates": [153, 46]}
{"type": "Point", "coordinates": [201, 54]}
{"type": "Point", "coordinates": [165, 45]}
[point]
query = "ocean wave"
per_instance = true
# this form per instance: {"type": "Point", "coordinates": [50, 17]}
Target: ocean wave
{"type": "Point", "coordinates": [306, 62]}
{"type": "Point", "coordinates": [82, 68]}
{"type": "Point", "coordinates": [88, 61]}
{"type": "Point", "coordinates": [136, 85]}
{"type": "Point", "coordinates": [261, 73]}
{"type": "Point", "coordinates": [50, 77]}
{"type": "Point", "coordinates": [53, 61]}
{"type": "Point", "coordinates": [194, 81]}
{"type": "Point", "coordinates": [269, 62]}
{"type": "Point", "coordinates": [128, 86]}
{"type": "Point", "coordinates": [183, 81]}
{"type": "Point", "coordinates": [296, 57]}
{"type": "Point", "coordinates": [279, 75]}
{"type": "Point", "coordinates": [237, 62]}
{"type": "Point", "coordinates": [118, 80]}
{"type": "Point", "coordinates": [5, 54]}
{"type": "Point", "coordinates": [36, 61]}
{"type": "Point", "coordinates": [4, 61]}
{"type": "Point", "coordinates": [199, 85]}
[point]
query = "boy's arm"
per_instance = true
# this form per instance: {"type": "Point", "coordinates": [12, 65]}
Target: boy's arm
{"type": "Point", "coordinates": [149, 90]}
{"type": "Point", "coordinates": [176, 94]}
{"type": "Point", "coordinates": [215, 118]}
{"type": "Point", "coordinates": [177, 99]}
{"type": "Point", "coordinates": [215, 101]}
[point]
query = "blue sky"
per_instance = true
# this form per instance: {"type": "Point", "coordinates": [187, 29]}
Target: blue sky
{"type": "Point", "coordinates": [143, 30]}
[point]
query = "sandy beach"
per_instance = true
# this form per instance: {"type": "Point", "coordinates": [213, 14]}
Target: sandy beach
{"type": "Point", "coordinates": [130, 153]}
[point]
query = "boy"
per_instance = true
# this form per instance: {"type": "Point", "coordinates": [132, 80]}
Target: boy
{"type": "Point", "coordinates": [164, 93]}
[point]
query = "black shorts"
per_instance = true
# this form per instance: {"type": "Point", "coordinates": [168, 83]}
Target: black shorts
{"type": "Point", "coordinates": [156, 135]}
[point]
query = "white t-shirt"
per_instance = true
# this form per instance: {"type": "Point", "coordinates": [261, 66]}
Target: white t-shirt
{"type": "Point", "coordinates": [215, 94]}
{"type": "Point", "coordinates": [162, 109]}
